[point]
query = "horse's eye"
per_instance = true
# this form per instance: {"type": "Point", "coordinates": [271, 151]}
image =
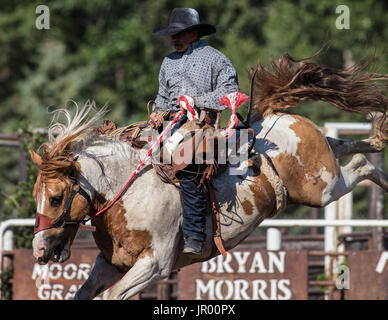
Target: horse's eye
{"type": "Point", "coordinates": [56, 201]}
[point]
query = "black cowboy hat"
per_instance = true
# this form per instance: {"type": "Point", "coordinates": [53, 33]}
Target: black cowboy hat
{"type": "Point", "coordinates": [184, 19]}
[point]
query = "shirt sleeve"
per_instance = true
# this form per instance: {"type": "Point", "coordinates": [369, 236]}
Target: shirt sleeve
{"type": "Point", "coordinates": [225, 81]}
{"type": "Point", "coordinates": [162, 98]}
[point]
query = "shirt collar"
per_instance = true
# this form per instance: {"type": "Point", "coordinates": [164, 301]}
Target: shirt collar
{"type": "Point", "coordinates": [195, 45]}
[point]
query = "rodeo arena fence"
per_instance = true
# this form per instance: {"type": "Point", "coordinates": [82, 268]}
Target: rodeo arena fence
{"type": "Point", "coordinates": [336, 264]}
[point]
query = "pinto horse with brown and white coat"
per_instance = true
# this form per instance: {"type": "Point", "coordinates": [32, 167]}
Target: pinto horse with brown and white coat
{"type": "Point", "coordinates": [140, 236]}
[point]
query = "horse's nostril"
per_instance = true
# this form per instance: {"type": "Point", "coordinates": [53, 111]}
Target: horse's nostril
{"type": "Point", "coordinates": [41, 261]}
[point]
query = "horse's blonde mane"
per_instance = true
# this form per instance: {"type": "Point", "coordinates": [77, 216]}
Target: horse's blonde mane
{"type": "Point", "coordinates": [65, 138]}
{"type": "Point", "coordinates": [78, 128]}
{"type": "Point", "coordinates": [72, 136]}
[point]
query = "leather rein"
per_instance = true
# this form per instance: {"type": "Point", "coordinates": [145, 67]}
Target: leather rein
{"type": "Point", "coordinates": [43, 222]}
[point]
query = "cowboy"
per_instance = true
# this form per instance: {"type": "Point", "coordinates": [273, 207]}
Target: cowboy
{"type": "Point", "coordinates": [197, 70]}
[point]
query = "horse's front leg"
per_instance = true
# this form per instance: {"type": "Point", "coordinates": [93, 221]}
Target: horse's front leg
{"type": "Point", "coordinates": [145, 272]}
{"type": "Point", "coordinates": [103, 276]}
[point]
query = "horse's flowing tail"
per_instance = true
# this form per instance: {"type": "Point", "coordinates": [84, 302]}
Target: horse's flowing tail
{"type": "Point", "coordinates": [289, 81]}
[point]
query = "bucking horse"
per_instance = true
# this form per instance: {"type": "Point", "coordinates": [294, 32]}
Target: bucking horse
{"type": "Point", "coordinates": [140, 236]}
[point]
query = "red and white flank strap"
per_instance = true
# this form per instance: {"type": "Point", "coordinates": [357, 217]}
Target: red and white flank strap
{"type": "Point", "coordinates": [232, 101]}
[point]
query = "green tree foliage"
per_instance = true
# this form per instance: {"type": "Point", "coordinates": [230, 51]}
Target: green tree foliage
{"type": "Point", "coordinates": [103, 50]}
{"type": "Point", "coordinates": [20, 203]}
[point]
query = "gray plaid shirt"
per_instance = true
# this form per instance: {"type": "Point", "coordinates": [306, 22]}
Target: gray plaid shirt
{"type": "Point", "coordinates": [201, 72]}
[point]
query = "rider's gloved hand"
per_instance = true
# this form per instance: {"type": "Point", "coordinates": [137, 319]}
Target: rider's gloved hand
{"type": "Point", "coordinates": [155, 120]}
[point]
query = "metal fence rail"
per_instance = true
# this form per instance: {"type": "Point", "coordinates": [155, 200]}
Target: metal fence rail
{"type": "Point", "coordinates": [273, 234]}
{"type": "Point", "coordinates": [323, 223]}
{"type": "Point", "coordinates": [275, 223]}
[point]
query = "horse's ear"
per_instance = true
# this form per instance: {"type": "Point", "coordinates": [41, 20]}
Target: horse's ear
{"type": "Point", "coordinates": [36, 158]}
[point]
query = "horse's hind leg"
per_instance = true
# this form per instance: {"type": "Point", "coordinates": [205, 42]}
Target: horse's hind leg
{"type": "Point", "coordinates": [101, 278]}
{"type": "Point", "coordinates": [357, 170]}
{"type": "Point", "coordinates": [375, 143]}
{"type": "Point", "coordinates": [343, 147]}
